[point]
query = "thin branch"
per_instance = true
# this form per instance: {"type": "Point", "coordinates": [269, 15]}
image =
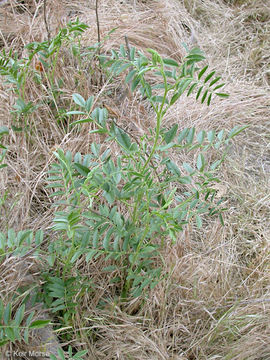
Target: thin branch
{"type": "Point", "coordinates": [98, 26]}
{"type": "Point", "coordinates": [45, 20]}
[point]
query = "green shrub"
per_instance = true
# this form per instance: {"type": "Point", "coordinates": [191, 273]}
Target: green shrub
{"type": "Point", "coordinates": [125, 209]}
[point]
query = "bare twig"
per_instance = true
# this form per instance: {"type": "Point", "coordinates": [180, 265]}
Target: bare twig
{"type": "Point", "coordinates": [128, 47]}
{"type": "Point", "coordinates": [98, 27]}
{"type": "Point", "coordinates": [45, 20]}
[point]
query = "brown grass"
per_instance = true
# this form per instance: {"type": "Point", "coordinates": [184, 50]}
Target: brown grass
{"type": "Point", "coordinates": [216, 302]}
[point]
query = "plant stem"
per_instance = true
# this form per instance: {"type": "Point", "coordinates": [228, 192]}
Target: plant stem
{"type": "Point", "coordinates": [45, 21]}
{"type": "Point", "coordinates": [160, 115]}
{"type": "Point", "coordinates": [135, 257]}
{"type": "Point", "coordinates": [98, 27]}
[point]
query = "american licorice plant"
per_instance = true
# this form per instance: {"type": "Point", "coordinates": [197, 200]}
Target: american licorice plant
{"type": "Point", "coordinates": [127, 208]}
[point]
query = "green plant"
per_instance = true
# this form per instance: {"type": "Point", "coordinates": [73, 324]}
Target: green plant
{"type": "Point", "coordinates": [46, 56]}
{"type": "Point", "coordinates": [3, 131]}
{"type": "Point", "coordinates": [126, 208]}
{"type": "Point", "coordinates": [16, 326]}
{"type": "Point", "coordinates": [59, 295]}
{"type": "Point", "coordinates": [61, 354]}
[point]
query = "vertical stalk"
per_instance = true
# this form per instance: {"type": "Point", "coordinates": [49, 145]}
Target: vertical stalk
{"type": "Point", "coordinates": [98, 27]}
{"type": "Point", "coordinates": [159, 118]}
{"type": "Point", "coordinates": [45, 21]}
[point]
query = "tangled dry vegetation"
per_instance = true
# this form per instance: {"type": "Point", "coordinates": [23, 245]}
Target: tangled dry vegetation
{"type": "Point", "coordinates": [216, 302]}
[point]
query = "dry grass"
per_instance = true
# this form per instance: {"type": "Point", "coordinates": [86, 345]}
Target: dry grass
{"type": "Point", "coordinates": [216, 302]}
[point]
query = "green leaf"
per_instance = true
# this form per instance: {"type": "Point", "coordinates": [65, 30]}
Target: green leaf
{"type": "Point", "coordinates": [21, 236]}
{"type": "Point", "coordinates": [221, 219]}
{"type": "Point", "coordinates": [53, 357]}
{"type": "Point", "coordinates": [76, 256]}
{"type": "Point", "coordinates": [172, 167]}
{"type": "Point", "coordinates": [146, 90]}
{"type": "Point", "coordinates": [89, 103]}
{"type": "Point", "coordinates": [182, 135]}
{"type": "Point", "coordinates": [75, 112]}
{"type": "Point", "coordinates": [220, 135]}
{"type": "Point", "coordinates": [156, 58]}
{"type": "Point", "coordinates": [107, 238]}
{"type": "Point", "coordinates": [7, 314]}
{"type": "Point", "coordinates": [95, 239]}
{"type": "Point", "coordinates": [135, 83]}
{"type": "Point", "coordinates": [122, 68]}
{"type": "Point", "coordinates": [170, 62]}
{"type": "Point", "coordinates": [100, 115]}
{"type": "Point", "coordinates": [132, 53]}
{"type": "Point", "coordinates": [201, 136]}
{"type": "Point", "coordinates": [38, 324]}
{"type": "Point", "coordinates": [188, 168]}
{"type": "Point", "coordinates": [214, 81]}
{"type": "Point", "coordinates": [170, 134]}
{"type": "Point", "coordinates": [144, 70]}
{"type": "Point", "coordinates": [222, 95]}
{"type": "Point", "coordinates": [209, 99]}
{"type": "Point", "coordinates": [90, 255]}
{"type": "Point", "coordinates": [82, 121]}
{"type": "Point", "coordinates": [10, 334]}
{"type": "Point", "coordinates": [122, 50]}
{"type": "Point", "coordinates": [1, 303]}
{"type": "Point", "coordinates": [199, 221]}
{"type": "Point", "coordinates": [110, 268]}
{"type": "Point", "coordinates": [194, 58]}
{"type": "Point", "coordinates": [175, 97]}
{"type": "Point", "coordinates": [208, 77]}
{"type": "Point", "coordinates": [190, 135]}
{"type": "Point", "coordinates": [130, 76]}
{"type": "Point", "coordinates": [204, 96]}
{"type": "Point", "coordinates": [114, 54]}
{"type": "Point", "coordinates": [199, 92]}
{"type": "Point", "coordinates": [215, 164]}
{"type": "Point", "coordinates": [78, 99]}
{"type": "Point", "coordinates": [78, 355]}
{"type": "Point", "coordinates": [98, 131]}
{"type": "Point", "coordinates": [237, 130]}
{"type": "Point", "coordinates": [219, 86]}
{"type": "Point", "coordinates": [185, 180]}
{"type": "Point", "coordinates": [82, 170]}
{"type": "Point", "coordinates": [4, 342]}
{"type": "Point", "coordinates": [95, 148]}
{"type": "Point", "coordinates": [196, 51]}
{"type": "Point", "coordinates": [211, 135]}
{"type": "Point", "coordinates": [116, 243]}
{"type": "Point", "coordinates": [192, 87]}
{"type": "Point", "coordinates": [123, 138]}
{"type": "Point", "coordinates": [200, 162]}
{"type": "Point", "coordinates": [202, 72]}
{"type": "Point", "coordinates": [159, 86]}
{"type": "Point", "coordinates": [61, 354]}
{"type": "Point", "coordinates": [183, 85]}
{"type": "Point", "coordinates": [19, 315]}
{"type": "Point", "coordinates": [159, 99]}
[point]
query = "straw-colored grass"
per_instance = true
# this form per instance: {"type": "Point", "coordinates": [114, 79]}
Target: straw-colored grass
{"type": "Point", "coordinates": [216, 302]}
